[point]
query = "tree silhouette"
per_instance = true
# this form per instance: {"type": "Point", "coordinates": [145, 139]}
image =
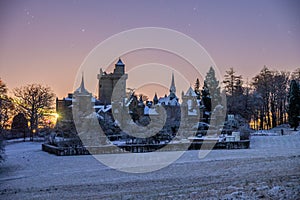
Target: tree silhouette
{"type": "Point", "coordinates": [197, 88]}
{"type": "Point", "coordinates": [206, 102]}
{"type": "Point", "coordinates": [6, 106]}
{"type": "Point", "coordinates": [213, 87]}
{"type": "Point", "coordinates": [34, 100]}
{"type": "Point", "coordinates": [234, 92]}
{"type": "Point", "coordinates": [294, 105]}
{"type": "Point", "coordinates": [232, 82]}
{"type": "Point", "coordinates": [271, 86]}
{"type": "Point", "coordinates": [20, 124]}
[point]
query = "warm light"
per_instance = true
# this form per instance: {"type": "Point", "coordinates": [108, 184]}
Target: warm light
{"type": "Point", "coordinates": [50, 119]}
{"type": "Point", "coordinates": [56, 115]}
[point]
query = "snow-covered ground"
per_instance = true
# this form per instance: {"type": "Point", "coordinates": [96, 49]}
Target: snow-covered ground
{"type": "Point", "coordinates": [270, 169]}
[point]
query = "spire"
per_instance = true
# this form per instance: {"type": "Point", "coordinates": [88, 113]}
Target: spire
{"type": "Point", "coordinates": [82, 82]}
{"type": "Point", "coordinates": [81, 88]}
{"type": "Point", "coordinates": [173, 88]}
{"type": "Point", "coordinates": [155, 99]}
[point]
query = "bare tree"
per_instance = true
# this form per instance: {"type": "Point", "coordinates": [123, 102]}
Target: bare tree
{"type": "Point", "coordinates": [271, 86]}
{"type": "Point", "coordinates": [232, 81]}
{"type": "Point", "coordinates": [34, 100]}
{"type": "Point", "coordinates": [262, 86]}
{"type": "Point", "coordinates": [234, 92]}
{"type": "Point", "coordinates": [278, 99]}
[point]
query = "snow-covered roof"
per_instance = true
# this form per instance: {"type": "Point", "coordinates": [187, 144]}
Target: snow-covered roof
{"type": "Point", "coordinates": [191, 92]}
{"type": "Point", "coordinates": [168, 101]}
{"type": "Point", "coordinates": [68, 99]}
{"type": "Point", "coordinates": [103, 108]}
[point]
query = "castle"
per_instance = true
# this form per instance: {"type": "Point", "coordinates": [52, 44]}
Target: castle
{"type": "Point", "coordinates": [112, 90]}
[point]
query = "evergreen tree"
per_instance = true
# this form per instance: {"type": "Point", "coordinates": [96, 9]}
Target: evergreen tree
{"type": "Point", "coordinates": [296, 75]}
{"type": "Point", "coordinates": [197, 88]}
{"type": "Point", "coordinates": [206, 102]}
{"type": "Point", "coordinates": [248, 103]}
{"type": "Point", "coordinates": [213, 87]}
{"type": "Point", "coordinates": [294, 105]}
{"type": "Point", "coordinates": [6, 108]}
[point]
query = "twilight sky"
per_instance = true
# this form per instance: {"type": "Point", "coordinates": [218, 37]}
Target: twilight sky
{"type": "Point", "coordinates": [46, 41]}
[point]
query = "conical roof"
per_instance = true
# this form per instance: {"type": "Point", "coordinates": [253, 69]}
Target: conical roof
{"type": "Point", "coordinates": [120, 63]}
{"type": "Point", "coordinates": [155, 97]}
{"type": "Point", "coordinates": [81, 89]}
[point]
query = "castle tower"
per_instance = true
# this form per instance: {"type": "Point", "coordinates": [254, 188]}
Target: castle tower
{"type": "Point", "coordinates": [119, 67]}
{"type": "Point", "coordinates": [113, 81]}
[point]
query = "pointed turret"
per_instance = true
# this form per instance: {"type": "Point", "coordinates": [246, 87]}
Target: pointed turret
{"type": "Point", "coordinates": [82, 82]}
{"type": "Point", "coordinates": [155, 99]}
{"type": "Point", "coordinates": [191, 92]}
{"type": "Point", "coordinates": [119, 67]}
{"type": "Point", "coordinates": [141, 102]}
{"type": "Point", "coordinates": [172, 87]}
{"type": "Point", "coordinates": [81, 89]}
{"type": "Point", "coordinates": [119, 63]}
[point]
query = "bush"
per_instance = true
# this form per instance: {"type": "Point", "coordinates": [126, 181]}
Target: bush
{"type": "Point", "coordinates": [245, 132]}
{"type": "Point", "coordinates": [2, 149]}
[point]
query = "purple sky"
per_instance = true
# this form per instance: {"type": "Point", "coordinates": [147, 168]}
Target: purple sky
{"type": "Point", "coordinates": [46, 41]}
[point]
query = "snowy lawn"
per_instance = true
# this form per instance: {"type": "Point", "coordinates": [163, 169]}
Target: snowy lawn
{"type": "Point", "coordinates": [269, 169]}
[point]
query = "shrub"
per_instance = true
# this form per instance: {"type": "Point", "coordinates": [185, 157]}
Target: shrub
{"type": "Point", "coordinates": [2, 149]}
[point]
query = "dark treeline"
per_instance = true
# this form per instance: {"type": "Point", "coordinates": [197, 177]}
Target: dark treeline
{"type": "Point", "coordinates": [261, 101]}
